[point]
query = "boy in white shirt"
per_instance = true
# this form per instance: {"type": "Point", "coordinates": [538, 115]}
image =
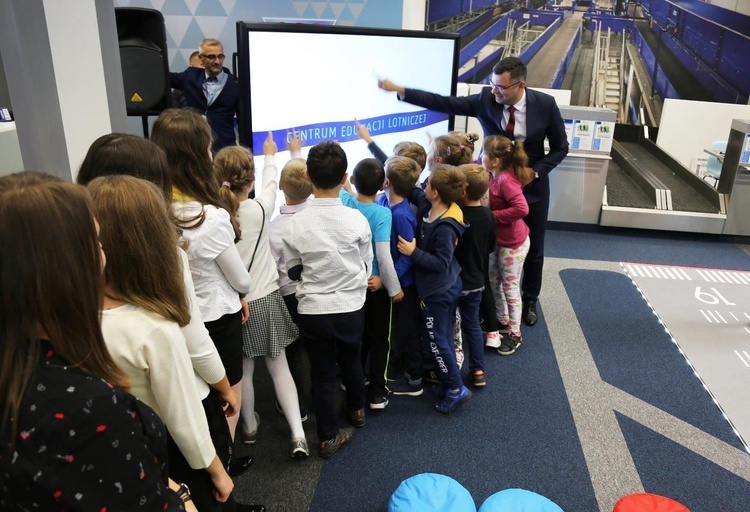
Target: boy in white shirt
{"type": "Point", "coordinates": [328, 248]}
{"type": "Point", "coordinates": [297, 190]}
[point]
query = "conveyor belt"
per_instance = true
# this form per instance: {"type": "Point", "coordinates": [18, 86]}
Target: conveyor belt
{"type": "Point", "coordinates": [684, 197]}
{"type": "Point", "coordinates": [467, 38]}
{"type": "Point", "coordinates": [578, 76]}
{"type": "Point", "coordinates": [622, 191]}
{"type": "Point", "coordinates": [542, 68]}
{"type": "Point", "coordinates": [681, 78]}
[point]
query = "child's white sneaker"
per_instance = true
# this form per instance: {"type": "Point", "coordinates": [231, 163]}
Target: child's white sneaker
{"type": "Point", "coordinates": [493, 339]}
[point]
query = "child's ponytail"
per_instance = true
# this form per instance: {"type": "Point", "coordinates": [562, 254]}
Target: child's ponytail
{"type": "Point", "coordinates": [466, 146]}
{"type": "Point", "coordinates": [521, 169]}
{"type": "Point", "coordinates": [234, 169]}
{"type": "Point", "coordinates": [510, 153]}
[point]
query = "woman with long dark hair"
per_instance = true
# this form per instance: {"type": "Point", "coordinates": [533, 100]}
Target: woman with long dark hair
{"type": "Point", "coordinates": [144, 307]}
{"type": "Point", "coordinates": [71, 437]}
{"type": "Point", "coordinates": [220, 277]}
{"type": "Point", "coordinates": [124, 154]}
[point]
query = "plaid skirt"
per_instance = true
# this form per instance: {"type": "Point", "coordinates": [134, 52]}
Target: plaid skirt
{"type": "Point", "coordinates": [270, 327]}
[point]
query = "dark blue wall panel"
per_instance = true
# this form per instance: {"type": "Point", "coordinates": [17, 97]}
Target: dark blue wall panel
{"type": "Point", "coordinates": [471, 49]}
{"type": "Point", "coordinates": [442, 9]}
{"type": "Point", "coordinates": [722, 92]}
{"type": "Point", "coordinates": [733, 63]}
{"type": "Point", "coordinates": [701, 37]}
{"type": "Point", "coordinates": [713, 44]}
{"type": "Point", "coordinates": [726, 17]}
{"type": "Point", "coordinates": [662, 86]}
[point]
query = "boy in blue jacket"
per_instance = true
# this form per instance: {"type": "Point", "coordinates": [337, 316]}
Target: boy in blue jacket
{"type": "Point", "coordinates": [439, 226]}
{"type": "Point", "coordinates": [406, 366]}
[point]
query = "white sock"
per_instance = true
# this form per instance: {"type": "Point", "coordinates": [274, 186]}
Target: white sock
{"type": "Point", "coordinates": [248, 395]}
{"type": "Point", "coordinates": [286, 392]}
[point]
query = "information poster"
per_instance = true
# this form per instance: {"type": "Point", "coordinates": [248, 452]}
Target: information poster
{"type": "Point", "coordinates": [583, 135]}
{"type": "Point", "coordinates": [603, 135]}
{"type": "Point", "coordinates": [569, 130]}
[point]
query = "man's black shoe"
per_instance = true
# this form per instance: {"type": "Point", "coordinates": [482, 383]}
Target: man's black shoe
{"type": "Point", "coordinates": [239, 466]}
{"type": "Point", "coordinates": [250, 508]}
{"type": "Point", "coordinates": [529, 312]}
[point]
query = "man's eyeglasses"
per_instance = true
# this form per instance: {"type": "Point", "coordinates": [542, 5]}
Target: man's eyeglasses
{"type": "Point", "coordinates": [213, 56]}
{"type": "Point", "coordinates": [502, 88]}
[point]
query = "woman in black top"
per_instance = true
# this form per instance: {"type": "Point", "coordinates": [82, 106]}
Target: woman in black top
{"type": "Point", "coordinates": [71, 437]}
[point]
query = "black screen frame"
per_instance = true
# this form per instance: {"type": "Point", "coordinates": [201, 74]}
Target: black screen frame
{"type": "Point", "coordinates": [244, 113]}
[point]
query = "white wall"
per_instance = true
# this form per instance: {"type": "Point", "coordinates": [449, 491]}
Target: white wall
{"type": "Point", "coordinates": [688, 127]}
{"type": "Point", "coordinates": [81, 88]}
{"type": "Point", "coordinates": [741, 6]}
{"type": "Point", "coordinates": [415, 13]}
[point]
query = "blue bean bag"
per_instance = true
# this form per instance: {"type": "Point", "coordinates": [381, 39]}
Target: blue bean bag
{"type": "Point", "coordinates": [518, 500]}
{"type": "Point", "coordinates": [430, 492]}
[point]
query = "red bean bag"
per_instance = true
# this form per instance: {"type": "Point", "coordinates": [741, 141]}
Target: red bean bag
{"type": "Point", "coordinates": [646, 502]}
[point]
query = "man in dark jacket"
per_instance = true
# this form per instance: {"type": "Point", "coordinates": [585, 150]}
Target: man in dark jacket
{"type": "Point", "coordinates": [212, 91]}
{"type": "Point", "coordinates": [508, 108]}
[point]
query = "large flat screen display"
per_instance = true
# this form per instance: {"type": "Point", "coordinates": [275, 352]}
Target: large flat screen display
{"type": "Point", "coordinates": [319, 79]}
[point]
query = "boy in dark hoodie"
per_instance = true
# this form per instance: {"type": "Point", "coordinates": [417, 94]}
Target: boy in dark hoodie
{"type": "Point", "coordinates": [439, 226]}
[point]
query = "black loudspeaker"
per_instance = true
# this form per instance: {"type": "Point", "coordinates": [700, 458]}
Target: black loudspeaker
{"type": "Point", "coordinates": [142, 39]}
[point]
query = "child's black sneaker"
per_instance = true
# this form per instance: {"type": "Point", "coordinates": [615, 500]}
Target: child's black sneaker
{"type": "Point", "coordinates": [356, 417]}
{"type": "Point", "coordinates": [431, 376]}
{"type": "Point", "coordinates": [509, 345]}
{"type": "Point", "coordinates": [402, 386]}
{"type": "Point", "coordinates": [378, 402]}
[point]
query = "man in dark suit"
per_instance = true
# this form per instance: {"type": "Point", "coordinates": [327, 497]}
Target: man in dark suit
{"type": "Point", "coordinates": [508, 108]}
{"type": "Point", "coordinates": [178, 96]}
{"type": "Point", "coordinates": [212, 91]}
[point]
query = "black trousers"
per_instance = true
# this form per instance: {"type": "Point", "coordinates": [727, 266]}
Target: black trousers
{"type": "Point", "coordinates": [406, 333]}
{"type": "Point", "coordinates": [536, 220]}
{"type": "Point", "coordinates": [226, 333]}
{"type": "Point", "coordinates": [295, 352]}
{"type": "Point", "coordinates": [198, 480]}
{"type": "Point", "coordinates": [376, 340]}
{"type": "Point", "coordinates": [331, 339]}
{"type": "Point", "coordinates": [487, 311]}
